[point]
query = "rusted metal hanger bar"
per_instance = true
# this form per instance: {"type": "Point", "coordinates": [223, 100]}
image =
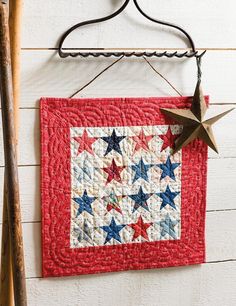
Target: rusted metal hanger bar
{"type": "Point", "coordinates": [98, 53]}
{"type": "Point", "coordinates": [84, 52]}
{"type": "Point", "coordinates": [10, 153]}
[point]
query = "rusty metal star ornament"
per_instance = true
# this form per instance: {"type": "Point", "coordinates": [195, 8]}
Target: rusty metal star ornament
{"type": "Point", "coordinates": [194, 125]}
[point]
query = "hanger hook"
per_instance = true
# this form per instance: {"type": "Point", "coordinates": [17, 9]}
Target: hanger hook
{"type": "Point", "coordinates": [168, 25]}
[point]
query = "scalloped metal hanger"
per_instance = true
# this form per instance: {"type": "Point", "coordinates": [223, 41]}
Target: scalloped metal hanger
{"type": "Point", "coordinates": [86, 52]}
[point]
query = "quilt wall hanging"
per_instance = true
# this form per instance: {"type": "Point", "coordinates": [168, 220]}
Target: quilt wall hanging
{"type": "Point", "coordinates": [123, 181]}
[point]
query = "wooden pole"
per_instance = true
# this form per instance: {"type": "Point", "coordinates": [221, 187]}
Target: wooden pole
{"type": "Point", "coordinates": [6, 284]}
{"type": "Point", "coordinates": [15, 9]}
{"type": "Point", "coordinates": [11, 174]}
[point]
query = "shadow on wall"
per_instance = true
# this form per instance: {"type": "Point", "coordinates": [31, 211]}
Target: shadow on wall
{"type": "Point", "coordinates": [56, 77]}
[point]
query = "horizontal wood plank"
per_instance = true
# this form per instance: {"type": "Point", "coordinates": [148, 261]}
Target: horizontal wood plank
{"type": "Point", "coordinates": [220, 241]}
{"type": "Point", "coordinates": [29, 141]}
{"type": "Point", "coordinates": [195, 286]}
{"type": "Point", "coordinates": [45, 74]}
{"type": "Point", "coordinates": [29, 136]}
{"type": "Point", "coordinates": [213, 27]}
{"type": "Point", "coordinates": [221, 192]}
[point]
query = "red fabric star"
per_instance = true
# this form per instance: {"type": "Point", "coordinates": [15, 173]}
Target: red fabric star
{"type": "Point", "coordinates": [142, 141]}
{"type": "Point", "coordinates": [85, 143]}
{"type": "Point", "coordinates": [168, 139]}
{"type": "Point", "coordinates": [113, 172]}
{"type": "Point", "coordinates": [140, 228]}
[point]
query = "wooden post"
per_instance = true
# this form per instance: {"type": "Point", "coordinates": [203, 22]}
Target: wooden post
{"type": "Point", "coordinates": [11, 171]}
{"type": "Point", "coordinates": [6, 282]}
{"type": "Point", "coordinates": [6, 285]}
{"type": "Point", "coordinates": [15, 11]}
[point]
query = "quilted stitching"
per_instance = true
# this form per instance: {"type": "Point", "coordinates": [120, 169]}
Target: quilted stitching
{"type": "Point", "coordinates": [113, 198]}
{"type": "Point", "coordinates": [112, 162]}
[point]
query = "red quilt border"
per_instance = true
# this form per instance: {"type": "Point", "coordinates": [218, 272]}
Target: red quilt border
{"type": "Point", "coordinates": [56, 117]}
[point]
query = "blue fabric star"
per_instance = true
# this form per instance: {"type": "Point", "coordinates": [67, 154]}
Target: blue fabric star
{"type": "Point", "coordinates": [168, 197]}
{"type": "Point", "coordinates": [84, 203]}
{"type": "Point", "coordinates": [86, 171]}
{"type": "Point", "coordinates": [141, 170]}
{"type": "Point", "coordinates": [84, 233]}
{"type": "Point", "coordinates": [168, 169]}
{"type": "Point", "coordinates": [113, 142]}
{"type": "Point", "coordinates": [167, 227]}
{"type": "Point", "coordinates": [113, 230]}
{"type": "Point", "coordinates": [84, 174]}
{"type": "Point", "coordinates": [140, 199]}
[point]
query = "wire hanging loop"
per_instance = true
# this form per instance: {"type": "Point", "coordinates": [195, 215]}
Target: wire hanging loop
{"type": "Point", "coordinates": [102, 52]}
{"type": "Point", "coordinates": [199, 69]}
{"type": "Point", "coordinates": [114, 63]}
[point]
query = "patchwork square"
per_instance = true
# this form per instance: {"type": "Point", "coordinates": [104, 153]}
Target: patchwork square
{"type": "Point", "coordinates": [114, 197]}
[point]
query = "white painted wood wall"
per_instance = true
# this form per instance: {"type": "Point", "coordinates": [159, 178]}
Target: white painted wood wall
{"type": "Point", "coordinates": [212, 24]}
